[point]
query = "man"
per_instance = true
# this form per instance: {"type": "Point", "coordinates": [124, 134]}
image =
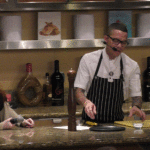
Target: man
{"type": "Point", "coordinates": [107, 76]}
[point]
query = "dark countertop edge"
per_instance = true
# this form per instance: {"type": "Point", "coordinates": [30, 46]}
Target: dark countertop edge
{"type": "Point", "coordinates": [73, 145]}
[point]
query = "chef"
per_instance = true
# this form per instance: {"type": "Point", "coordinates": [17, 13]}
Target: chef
{"type": "Point", "coordinates": [106, 77]}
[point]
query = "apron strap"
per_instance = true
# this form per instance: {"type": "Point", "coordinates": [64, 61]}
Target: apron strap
{"type": "Point", "coordinates": [121, 69]}
{"type": "Point", "coordinates": [98, 65]}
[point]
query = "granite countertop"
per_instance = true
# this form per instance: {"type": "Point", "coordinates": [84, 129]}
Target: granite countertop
{"type": "Point", "coordinates": [47, 137]}
{"type": "Point", "coordinates": [62, 111]}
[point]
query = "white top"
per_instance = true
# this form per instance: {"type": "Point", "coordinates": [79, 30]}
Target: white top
{"type": "Point", "coordinates": [131, 72]}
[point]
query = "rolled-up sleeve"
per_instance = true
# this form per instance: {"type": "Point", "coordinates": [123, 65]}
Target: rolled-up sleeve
{"type": "Point", "coordinates": [82, 77]}
{"type": "Point", "coordinates": [135, 82]}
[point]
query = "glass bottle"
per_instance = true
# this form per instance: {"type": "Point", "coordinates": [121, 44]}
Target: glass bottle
{"type": "Point", "coordinates": [29, 89]}
{"type": "Point", "coordinates": [57, 81]}
{"type": "Point", "coordinates": [146, 82]}
{"type": "Point", "coordinates": [47, 90]}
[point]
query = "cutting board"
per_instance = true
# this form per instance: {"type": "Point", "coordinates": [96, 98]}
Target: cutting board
{"type": "Point", "coordinates": [146, 123]}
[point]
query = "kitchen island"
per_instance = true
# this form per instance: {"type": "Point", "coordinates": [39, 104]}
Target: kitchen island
{"type": "Point", "coordinates": [44, 136]}
{"type": "Point", "coordinates": [47, 137]}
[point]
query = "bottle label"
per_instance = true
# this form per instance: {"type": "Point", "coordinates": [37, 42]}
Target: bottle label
{"type": "Point", "coordinates": [58, 91]}
{"type": "Point", "coordinates": [57, 87]}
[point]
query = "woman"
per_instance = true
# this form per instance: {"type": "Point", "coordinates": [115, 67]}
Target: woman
{"type": "Point", "coordinates": [7, 113]}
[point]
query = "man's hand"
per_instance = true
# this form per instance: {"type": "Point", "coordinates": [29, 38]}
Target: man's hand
{"type": "Point", "coordinates": [90, 109]}
{"type": "Point", "coordinates": [137, 112]}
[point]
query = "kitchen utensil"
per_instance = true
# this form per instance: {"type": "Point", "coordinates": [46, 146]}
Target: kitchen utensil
{"type": "Point", "coordinates": [106, 128]}
{"type": "Point", "coordinates": [103, 127]}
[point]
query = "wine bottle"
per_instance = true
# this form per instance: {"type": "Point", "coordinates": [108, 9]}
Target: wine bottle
{"type": "Point", "coordinates": [146, 82]}
{"type": "Point", "coordinates": [47, 91]}
{"type": "Point", "coordinates": [29, 89]}
{"type": "Point", "coordinates": [57, 81]}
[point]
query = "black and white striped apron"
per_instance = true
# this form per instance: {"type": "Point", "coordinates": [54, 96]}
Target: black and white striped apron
{"type": "Point", "coordinates": [107, 97]}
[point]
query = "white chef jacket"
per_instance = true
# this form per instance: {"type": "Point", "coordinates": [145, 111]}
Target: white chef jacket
{"type": "Point", "coordinates": [131, 72]}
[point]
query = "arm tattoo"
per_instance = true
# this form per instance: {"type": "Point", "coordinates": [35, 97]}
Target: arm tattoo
{"type": "Point", "coordinates": [137, 101]}
{"type": "Point", "coordinates": [79, 95]}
